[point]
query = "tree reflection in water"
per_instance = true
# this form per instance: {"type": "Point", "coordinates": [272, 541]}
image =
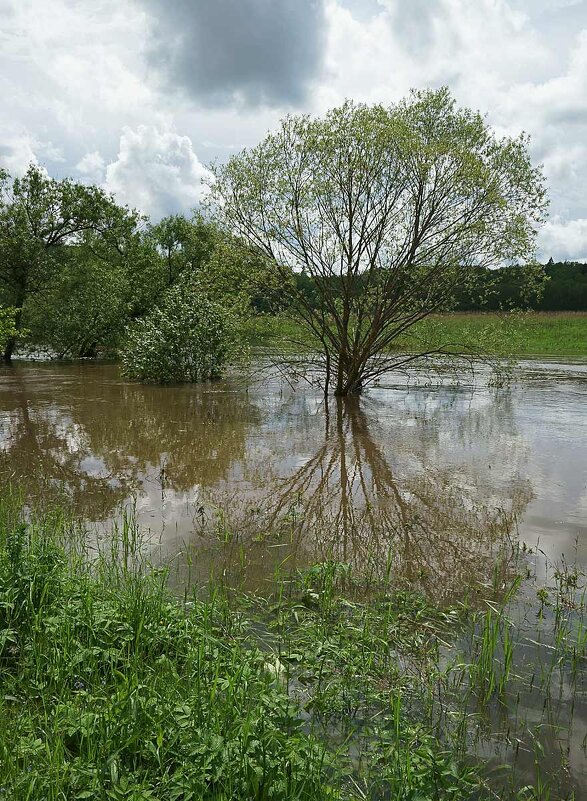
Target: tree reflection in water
{"type": "Point", "coordinates": [83, 437]}
{"type": "Point", "coordinates": [292, 480]}
{"type": "Point", "coordinates": [433, 531]}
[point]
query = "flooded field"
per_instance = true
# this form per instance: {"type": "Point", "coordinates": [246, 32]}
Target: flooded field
{"type": "Point", "coordinates": [431, 484]}
{"type": "Point", "coordinates": [426, 473]}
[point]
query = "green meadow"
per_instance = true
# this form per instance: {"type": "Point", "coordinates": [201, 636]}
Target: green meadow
{"type": "Point", "coordinates": [520, 334]}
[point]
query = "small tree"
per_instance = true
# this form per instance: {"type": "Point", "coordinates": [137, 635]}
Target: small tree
{"type": "Point", "coordinates": [184, 246]}
{"type": "Point", "coordinates": [84, 308]}
{"type": "Point", "coordinates": [386, 210]}
{"type": "Point", "coordinates": [187, 338]}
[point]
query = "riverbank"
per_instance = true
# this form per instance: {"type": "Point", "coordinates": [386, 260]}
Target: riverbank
{"type": "Point", "coordinates": [521, 334]}
{"type": "Point", "coordinates": [327, 687]}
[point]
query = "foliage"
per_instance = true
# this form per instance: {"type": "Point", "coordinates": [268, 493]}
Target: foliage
{"type": "Point", "coordinates": [388, 210]}
{"type": "Point", "coordinates": [563, 287]}
{"type": "Point", "coordinates": [40, 218]}
{"type": "Point", "coordinates": [566, 288]}
{"type": "Point", "coordinates": [78, 268]}
{"type": "Point", "coordinates": [111, 690]}
{"type": "Point", "coordinates": [83, 308]}
{"type": "Point", "coordinates": [183, 245]}
{"type": "Point", "coordinates": [188, 338]}
{"type": "Point", "coordinates": [335, 686]}
{"type": "Point", "coordinates": [347, 653]}
{"type": "Point", "coordinates": [242, 278]}
{"type": "Point", "coordinates": [178, 249]}
{"type": "Point", "coordinates": [7, 325]}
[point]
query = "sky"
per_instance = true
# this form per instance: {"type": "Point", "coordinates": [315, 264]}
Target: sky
{"type": "Point", "coordinates": [139, 96]}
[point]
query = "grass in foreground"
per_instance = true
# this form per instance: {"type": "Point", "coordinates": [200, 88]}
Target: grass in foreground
{"type": "Point", "coordinates": [113, 689]}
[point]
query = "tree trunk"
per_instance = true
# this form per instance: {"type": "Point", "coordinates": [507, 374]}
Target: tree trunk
{"type": "Point", "coordinates": [11, 343]}
{"type": "Point", "coordinates": [349, 377]}
{"type": "Point", "coordinates": [89, 350]}
{"type": "Point", "coordinates": [341, 370]}
{"type": "Point", "coordinates": [8, 350]}
{"type": "Point", "coordinates": [327, 376]}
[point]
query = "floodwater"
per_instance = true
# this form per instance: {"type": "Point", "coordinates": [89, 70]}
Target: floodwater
{"type": "Point", "coordinates": [427, 476]}
{"type": "Point", "coordinates": [427, 481]}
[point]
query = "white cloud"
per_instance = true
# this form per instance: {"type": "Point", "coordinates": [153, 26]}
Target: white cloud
{"type": "Point", "coordinates": [156, 171]}
{"type": "Point", "coordinates": [563, 161]}
{"type": "Point", "coordinates": [74, 75]}
{"type": "Point", "coordinates": [18, 150]}
{"type": "Point", "coordinates": [564, 240]}
{"type": "Point", "coordinates": [92, 166]}
{"type": "Point", "coordinates": [479, 49]}
{"type": "Point", "coordinates": [16, 153]}
{"type": "Point", "coordinates": [71, 75]}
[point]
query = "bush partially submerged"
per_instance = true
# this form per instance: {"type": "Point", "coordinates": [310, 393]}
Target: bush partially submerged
{"type": "Point", "coordinates": [187, 338]}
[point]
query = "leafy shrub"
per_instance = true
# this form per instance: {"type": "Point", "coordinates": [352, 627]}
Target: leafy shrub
{"type": "Point", "coordinates": [187, 338]}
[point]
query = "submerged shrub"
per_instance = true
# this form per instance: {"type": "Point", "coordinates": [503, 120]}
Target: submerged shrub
{"type": "Point", "coordinates": [187, 338]}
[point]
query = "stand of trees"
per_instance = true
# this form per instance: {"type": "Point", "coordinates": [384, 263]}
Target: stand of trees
{"type": "Point", "coordinates": [564, 289]}
{"type": "Point", "coordinates": [360, 223]}
{"type": "Point", "coordinates": [77, 270]}
{"type": "Point", "coordinates": [555, 286]}
{"type": "Point", "coordinates": [50, 228]}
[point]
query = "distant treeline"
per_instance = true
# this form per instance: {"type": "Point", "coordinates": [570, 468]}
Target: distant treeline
{"type": "Point", "coordinates": [564, 290]}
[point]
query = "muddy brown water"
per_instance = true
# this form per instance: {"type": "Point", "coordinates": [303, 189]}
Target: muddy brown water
{"type": "Point", "coordinates": [430, 476]}
{"type": "Point", "coordinates": [426, 479]}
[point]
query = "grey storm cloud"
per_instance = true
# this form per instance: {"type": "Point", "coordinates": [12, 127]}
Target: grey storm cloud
{"type": "Point", "coordinates": [139, 95]}
{"type": "Point", "coordinates": [259, 52]}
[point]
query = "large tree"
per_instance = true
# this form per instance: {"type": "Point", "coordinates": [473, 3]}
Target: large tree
{"type": "Point", "coordinates": [387, 210]}
{"type": "Point", "coordinates": [41, 220]}
{"type": "Point", "coordinates": [184, 245]}
{"type": "Point", "coordinates": [85, 307]}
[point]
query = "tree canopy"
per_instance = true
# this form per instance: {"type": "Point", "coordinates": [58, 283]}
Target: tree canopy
{"type": "Point", "coordinates": [40, 218]}
{"type": "Point", "coordinates": [388, 210]}
{"type": "Point", "coordinates": [77, 269]}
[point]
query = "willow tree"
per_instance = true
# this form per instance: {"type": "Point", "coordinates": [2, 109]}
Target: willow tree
{"type": "Point", "coordinates": [388, 210]}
